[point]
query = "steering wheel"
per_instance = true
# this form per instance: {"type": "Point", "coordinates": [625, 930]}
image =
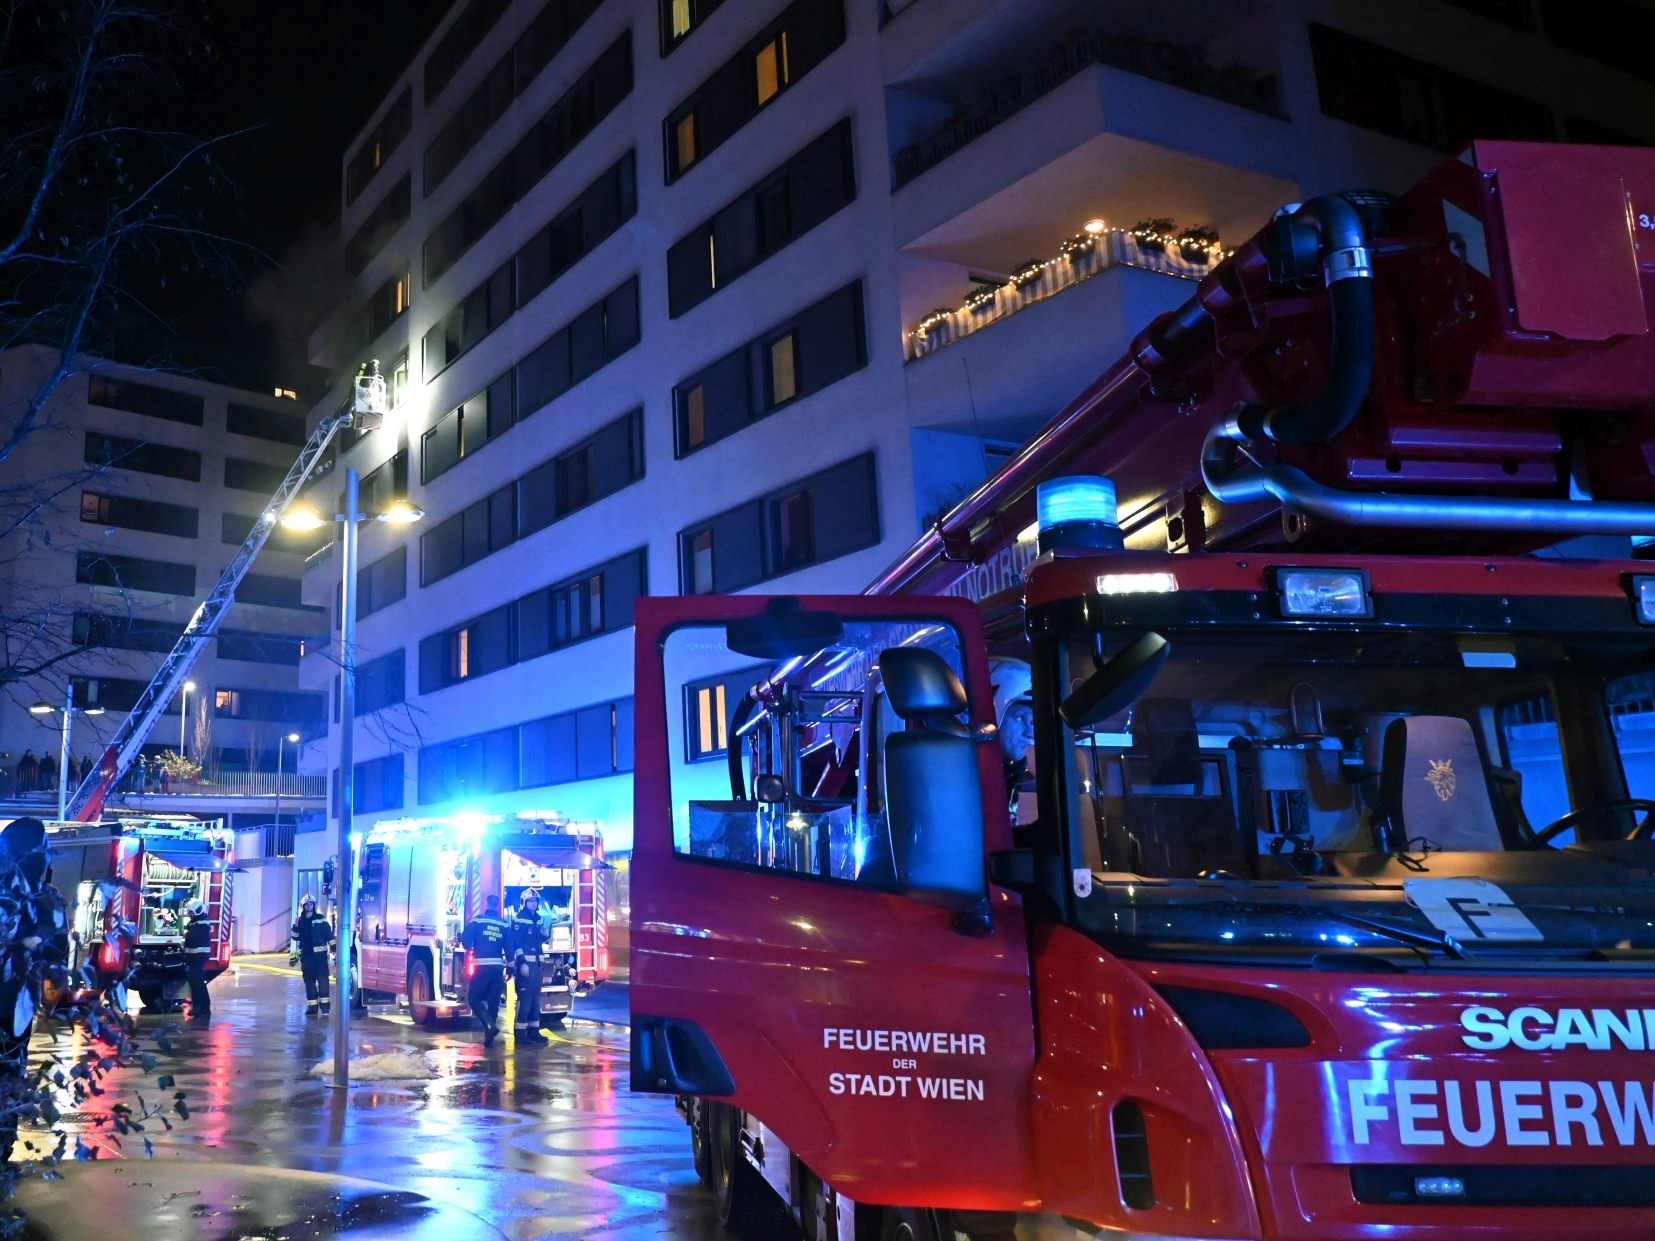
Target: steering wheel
{"type": "Point", "coordinates": [1644, 830]}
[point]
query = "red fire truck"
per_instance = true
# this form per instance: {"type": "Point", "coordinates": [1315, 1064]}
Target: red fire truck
{"type": "Point", "coordinates": [158, 866]}
{"type": "Point", "coordinates": [1320, 906]}
{"type": "Point", "coordinates": [423, 879]}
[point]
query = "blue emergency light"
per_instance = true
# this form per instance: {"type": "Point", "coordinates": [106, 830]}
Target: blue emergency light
{"type": "Point", "coordinates": [1078, 511]}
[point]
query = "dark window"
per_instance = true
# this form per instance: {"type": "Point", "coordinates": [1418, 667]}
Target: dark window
{"type": "Point", "coordinates": [598, 600]}
{"type": "Point", "coordinates": [382, 583]}
{"type": "Point", "coordinates": [807, 189]}
{"type": "Point", "coordinates": [378, 785]}
{"type": "Point", "coordinates": [277, 426]}
{"type": "Point", "coordinates": [569, 120]}
{"type": "Point", "coordinates": [680, 17]}
{"type": "Point", "coordinates": [458, 42]}
{"type": "Point", "coordinates": [815, 348]}
{"type": "Point", "coordinates": [1615, 33]}
{"type": "Point", "coordinates": [380, 683]}
{"type": "Point", "coordinates": [383, 486]}
{"type": "Point", "coordinates": [110, 693]}
{"type": "Point", "coordinates": [143, 458]}
{"type": "Point", "coordinates": [827, 515]}
{"type": "Point", "coordinates": [379, 145]}
{"type": "Point", "coordinates": [388, 304]}
{"type": "Point", "coordinates": [480, 646]}
{"type": "Point", "coordinates": [600, 466]}
{"type": "Point", "coordinates": [1383, 90]}
{"type": "Point", "coordinates": [469, 767]}
{"type": "Point", "coordinates": [131, 573]}
{"type": "Point", "coordinates": [587, 744]}
{"type": "Point", "coordinates": [467, 537]}
{"type": "Point", "coordinates": [481, 311]}
{"type": "Point", "coordinates": [126, 633]}
{"type": "Point", "coordinates": [133, 514]}
{"type": "Point", "coordinates": [259, 648]}
{"type": "Point", "coordinates": [253, 475]}
{"type": "Point", "coordinates": [299, 710]}
{"type": "Point", "coordinates": [269, 591]}
{"type": "Point", "coordinates": [604, 330]}
{"type": "Point", "coordinates": [779, 55]}
{"type": "Point", "coordinates": [462, 431]}
{"type": "Point", "coordinates": [381, 225]}
{"type": "Point", "coordinates": [137, 398]}
{"type": "Point", "coordinates": [708, 706]}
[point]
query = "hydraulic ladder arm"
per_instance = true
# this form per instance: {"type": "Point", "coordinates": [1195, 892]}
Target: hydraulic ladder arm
{"type": "Point", "coordinates": [365, 410]}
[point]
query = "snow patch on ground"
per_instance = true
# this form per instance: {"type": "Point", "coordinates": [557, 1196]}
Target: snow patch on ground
{"type": "Point", "coordinates": [389, 1066]}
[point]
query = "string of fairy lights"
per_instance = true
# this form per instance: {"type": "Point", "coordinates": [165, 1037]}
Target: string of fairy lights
{"type": "Point", "coordinates": [1196, 246]}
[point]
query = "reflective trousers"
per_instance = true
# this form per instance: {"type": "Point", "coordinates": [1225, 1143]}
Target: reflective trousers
{"type": "Point", "coordinates": [487, 990]}
{"type": "Point", "coordinates": [314, 966]}
{"type": "Point", "coordinates": [201, 1004]}
{"type": "Point", "coordinates": [527, 982]}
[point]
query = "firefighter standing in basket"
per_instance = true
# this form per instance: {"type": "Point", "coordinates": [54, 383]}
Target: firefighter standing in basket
{"type": "Point", "coordinates": [485, 940]}
{"type": "Point", "coordinates": [198, 946]}
{"type": "Point", "coordinates": [528, 944]}
{"type": "Point", "coordinates": [312, 936]}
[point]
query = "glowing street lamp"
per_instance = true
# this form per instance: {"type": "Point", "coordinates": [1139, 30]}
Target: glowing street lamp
{"type": "Point", "coordinates": [70, 710]}
{"type": "Point", "coordinates": [184, 715]}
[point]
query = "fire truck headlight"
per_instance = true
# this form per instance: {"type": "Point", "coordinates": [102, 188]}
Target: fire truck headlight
{"type": "Point", "coordinates": [1323, 592]}
{"type": "Point", "coordinates": [1643, 598]}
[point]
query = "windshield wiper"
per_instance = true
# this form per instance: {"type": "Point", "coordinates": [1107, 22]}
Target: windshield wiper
{"type": "Point", "coordinates": [1440, 940]}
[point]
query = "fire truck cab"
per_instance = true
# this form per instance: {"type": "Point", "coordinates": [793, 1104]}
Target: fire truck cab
{"type": "Point", "coordinates": [423, 879]}
{"type": "Point", "coordinates": [128, 881]}
{"type": "Point", "coordinates": [1319, 907]}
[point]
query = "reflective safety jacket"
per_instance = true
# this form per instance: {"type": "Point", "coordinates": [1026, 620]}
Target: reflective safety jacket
{"type": "Point", "coordinates": [485, 939]}
{"type": "Point", "coordinates": [198, 938]}
{"type": "Point", "coordinates": [311, 934]}
{"type": "Point", "coordinates": [528, 935]}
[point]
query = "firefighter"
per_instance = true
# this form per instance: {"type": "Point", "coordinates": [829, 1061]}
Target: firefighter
{"type": "Point", "coordinates": [312, 936]}
{"type": "Point", "coordinates": [198, 946]}
{"type": "Point", "coordinates": [1014, 718]}
{"type": "Point", "coordinates": [485, 940]}
{"type": "Point", "coordinates": [528, 942]}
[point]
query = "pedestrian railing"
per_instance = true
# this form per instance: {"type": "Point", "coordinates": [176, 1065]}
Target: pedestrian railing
{"type": "Point", "coordinates": [235, 784]}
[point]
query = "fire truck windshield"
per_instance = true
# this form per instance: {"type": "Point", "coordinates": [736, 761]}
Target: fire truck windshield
{"type": "Point", "coordinates": [1294, 791]}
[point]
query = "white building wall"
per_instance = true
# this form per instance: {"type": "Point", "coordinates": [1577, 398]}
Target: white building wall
{"type": "Point", "coordinates": [1104, 143]}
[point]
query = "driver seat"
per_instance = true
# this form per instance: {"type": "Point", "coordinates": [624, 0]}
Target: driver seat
{"type": "Point", "coordinates": [1433, 784]}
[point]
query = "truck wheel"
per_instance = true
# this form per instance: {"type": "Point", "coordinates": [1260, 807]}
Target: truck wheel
{"type": "Point", "coordinates": [903, 1224]}
{"type": "Point", "coordinates": [739, 1192]}
{"type": "Point", "coordinates": [422, 993]}
{"type": "Point", "coordinates": [551, 1021]}
{"type": "Point", "coordinates": [701, 1142]}
{"type": "Point", "coordinates": [150, 998]}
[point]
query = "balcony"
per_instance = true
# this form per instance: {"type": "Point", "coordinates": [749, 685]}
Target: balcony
{"type": "Point", "coordinates": [1185, 68]}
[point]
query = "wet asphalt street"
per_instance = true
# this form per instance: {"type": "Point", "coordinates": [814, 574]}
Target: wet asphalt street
{"type": "Point", "coordinates": [543, 1143]}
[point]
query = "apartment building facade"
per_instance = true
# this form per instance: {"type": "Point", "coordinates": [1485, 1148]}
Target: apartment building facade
{"type": "Point", "coordinates": [708, 295]}
{"type": "Point", "coordinates": [120, 511]}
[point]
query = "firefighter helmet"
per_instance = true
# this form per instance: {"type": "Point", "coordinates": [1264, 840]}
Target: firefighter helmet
{"type": "Point", "coordinates": [196, 909]}
{"type": "Point", "coordinates": [308, 900]}
{"type": "Point", "coordinates": [1011, 681]}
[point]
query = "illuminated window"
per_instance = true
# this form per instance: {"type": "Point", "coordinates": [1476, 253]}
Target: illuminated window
{"type": "Point", "coordinates": [94, 507]}
{"type": "Point", "coordinates": [784, 369]}
{"type": "Point", "coordinates": [684, 141]}
{"type": "Point", "coordinates": [695, 417]}
{"type": "Point", "coordinates": [399, 380]}
{"type": "Point", "coordinates": [712, 260]}
{"type": "Point", "coordinates": [227, 702]}
{"type": "Point", "coordinates": [683, 17]}
{"type": "Point", "coordinates": [379, 153]}
{"type": "Point", "coordinates": [701, 563]}
{"type": "Point", "coordinates": [400, 294]}
{"type": "Point", "coordinates": [462, 654]}
{"type": "Point", "coordinates": [287, 394]}
{"type": "Point", "coordinates": [771, 67]}
{"type": "Point", "coordinates": [712, 721]}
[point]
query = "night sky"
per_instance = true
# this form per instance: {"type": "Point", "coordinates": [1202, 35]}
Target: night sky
{"type": "Point", "coordinates": [307, 74]}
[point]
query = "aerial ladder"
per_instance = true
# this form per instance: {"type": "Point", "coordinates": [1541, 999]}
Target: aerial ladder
{"type": "Point", "coordinates": [364, 410]}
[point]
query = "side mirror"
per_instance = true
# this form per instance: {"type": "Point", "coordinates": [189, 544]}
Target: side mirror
{"type": "Point", "coordinates": [770, 790]}
{"type": "Point", "coordinates": [1113, 687]}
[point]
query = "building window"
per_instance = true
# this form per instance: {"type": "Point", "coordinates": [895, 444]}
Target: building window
{"type": "Point", "coordinates": [467, 537]}
{"type": "Point", "coordinates": [598, 335]}
{"type": "Point", "coordinates": [806, 190]}
{"type": "Point", "coordinates": [830, 514]}
{"type": "Point", "coordinates": [693, 411]}
{"type": "Point", "coordinates": [253, 475]}
{"type": "Point", "coordinates": [683, 142]}
{"type": "Point", "coordinates": [770, 68]}
{"type": "Point", "coordinates": [115, 452]}
{"type": "Point", "coordinates": [382, 583]}
{"type": "Point", "coordinates": [812, 350]}
{"type": "Point", "coordinates": [386, 306]}
{"type": "Point", "coordinates": [378, 146]}
{"type": "Point", "coordinates": [397, 388]}
{"type": "Point", "coordinates": [147, 399]}
{"type": "Point", "coordinates": [132, 573]}
{"type": "Point", "coordinates": [679, 18]}
{"type": "Point", "coordinates": [380, 683]}
{"type": "Point", "coordinates": [462, 431]}
{"type": "Point", "coordinates": [279, 427]}
{"type": "Point", "coordinates": [784, 370]}
{"type": "Point", "coordinates": [597, 601]}
{"type": "Point", "coordinates": [707, 708]}
{"type": "Point", "coordinates": [701, 563]}
{"type": "Point", "coordinates": [462, 655]}
{"type": "Point", "coordinates": [381, 224]}
{"type": "Point", "coordinates": [378, 785]}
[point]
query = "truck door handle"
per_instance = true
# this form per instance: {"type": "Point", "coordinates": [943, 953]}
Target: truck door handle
{"type": "Point", "coordinates": [677, 1057]}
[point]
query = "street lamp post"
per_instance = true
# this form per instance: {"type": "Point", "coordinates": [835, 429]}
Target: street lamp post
{"type": "Point", "coordinates": [401, 513]}
{"type": "Point", "coordinates": [184, 716]}
{"type": "Point", "coordinates": [280, 742]}
{"type": "Point", "coordinates": [69, 709]}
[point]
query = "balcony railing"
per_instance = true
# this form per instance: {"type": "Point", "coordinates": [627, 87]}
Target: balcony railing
{"type": "Point", "coordinates": [1183, 67]}
{"type": "Point", "coordinates": [232, 784]}
{"type": "Point", "coordinates": [1082, 259]}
